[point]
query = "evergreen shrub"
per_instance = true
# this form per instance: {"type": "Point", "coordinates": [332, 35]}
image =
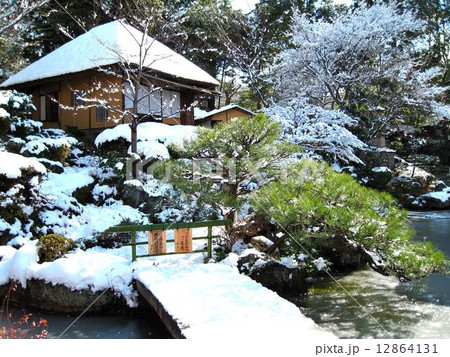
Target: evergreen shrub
{"type": "Point", "coordinates": [53, 246]}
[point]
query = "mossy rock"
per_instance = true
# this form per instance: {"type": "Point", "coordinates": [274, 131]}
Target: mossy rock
{"type": "Point", "coordinates": [379, 179]}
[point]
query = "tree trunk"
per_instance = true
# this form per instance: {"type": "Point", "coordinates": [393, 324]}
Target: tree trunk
{"type": "Point", "coordinates": [133, 126]}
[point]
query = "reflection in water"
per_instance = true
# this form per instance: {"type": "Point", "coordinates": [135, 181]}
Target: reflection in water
{"type": "Point", "coordinates": [418, 309]}
{"type": "Point", "coordinates": [99, 326]}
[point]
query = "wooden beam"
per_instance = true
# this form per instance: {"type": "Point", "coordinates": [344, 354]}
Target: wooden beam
{"type": "Point", "coordinates": [164, 226]}
{"type": "Point", "coordinates": [170, 323]}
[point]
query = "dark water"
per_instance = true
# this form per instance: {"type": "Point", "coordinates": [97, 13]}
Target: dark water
{"type": "Point", "coordinates": [147, 326]}
{"type": "Point", "coordinates": [384, 307]}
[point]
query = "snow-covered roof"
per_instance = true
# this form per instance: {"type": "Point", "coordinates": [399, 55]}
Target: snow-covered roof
{"type": "Point", "coordinates": [201, 114]}
{"type": "Point", "coordinates": [111, 43]}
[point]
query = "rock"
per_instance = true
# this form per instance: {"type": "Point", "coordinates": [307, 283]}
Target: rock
{"type": "Point", "coordinates": [433, 201]}
{"type": "Point", "coordinates": [282, 279]}
{"type": "Point", "coordinates": [379, 177]}
{"type": "Point", "coordinates": [246, 263]}
{"type": "Point", "coordinates": [261, 243]}
{"type": "Point", "coordinates": [247, 228]}
{"type": "Point", "coordinates": [152, 205]}
{"type": "Point", "coordinates": [60, 299]}
{"type": "Point", "coordinates": [134, 194]}
{"type": "Point", "coordinates": [344, 259]}
{"type": "Point", "coordinates": [439, 186]}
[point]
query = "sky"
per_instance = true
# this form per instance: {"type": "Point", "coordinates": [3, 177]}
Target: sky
{"type": "Point", "coordinates": [245, 5]}
{"type": "Point", "coordinates": [248, 5]}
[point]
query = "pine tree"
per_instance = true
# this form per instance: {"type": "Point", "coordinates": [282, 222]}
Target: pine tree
{"type": "Point", "coordinates": [223, 165]}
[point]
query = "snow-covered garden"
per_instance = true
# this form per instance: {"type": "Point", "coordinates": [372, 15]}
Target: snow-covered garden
{"type": "Point", "coordinates": [349, 108]}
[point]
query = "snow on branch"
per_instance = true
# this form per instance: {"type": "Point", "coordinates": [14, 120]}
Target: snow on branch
{"type": "Point", "coordinates": [13, 11]}
{"type": "Point", "coordinates": [363, 63]}
{"type": "Point", "coordinates": [317, 130]}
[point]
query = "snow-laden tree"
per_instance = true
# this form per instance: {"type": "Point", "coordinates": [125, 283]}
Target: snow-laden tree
{"type": "Point", "coordinates": [364, 64]}
{"type": "Point", "coordinates": [13, 12]}
{"type": "Point", "coordinates": [14, 15]}
{"type": "Point", "coordinates": [318, 131]}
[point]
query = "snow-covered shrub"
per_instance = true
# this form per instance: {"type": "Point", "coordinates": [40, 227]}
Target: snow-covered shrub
{"type": "Point", "coordinates": [19, 180]}
{"type": "Point", "coordinates": [15, 145]}
{"type": "Point", "coordinates": [112, 168]}
{"type": "Point", "coordinates": [53, 246]}
{"type": "Point", "coordinates": [18, 107]}
{"type": "Point", "coordinates": [51, 144]}
{"type": "Point", "coordinates": [16, 103]}
{"type": "Point", "coordinates": [108, 240]}
{"type": "Point", "coordinates": [327, 214]}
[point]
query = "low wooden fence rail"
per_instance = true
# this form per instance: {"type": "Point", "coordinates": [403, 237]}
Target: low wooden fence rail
{"type": "Point", "coordinates": [160, 240]}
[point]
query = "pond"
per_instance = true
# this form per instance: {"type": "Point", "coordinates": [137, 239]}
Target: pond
{"type": "Point", "coordinates": [146, 325]}
{"type": "Point", "coordinates": [385, 307]}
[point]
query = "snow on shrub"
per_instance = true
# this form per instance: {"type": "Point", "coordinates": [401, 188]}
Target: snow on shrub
{"type": "Point", "coordinates": [52, 144]}
{"type": "Point", "coordinates": [149, 135]}
{"type": "Point", "coordinates": [16, 108]}
{"type": "Point", "coordinates": [14, 165]}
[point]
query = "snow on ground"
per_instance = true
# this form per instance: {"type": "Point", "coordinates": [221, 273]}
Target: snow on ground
{"type": "Point", "coordinates": [67, 182]}
{"type": "Point", "coordinates": [13, 164]}
{"type": "Point", "coordinates": [210, 300]}
{"type": "Point", "coordinates": [89, 269]}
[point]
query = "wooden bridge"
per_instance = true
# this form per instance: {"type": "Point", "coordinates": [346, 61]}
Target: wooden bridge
{"type": "Point", "coordinates": [198, 301]}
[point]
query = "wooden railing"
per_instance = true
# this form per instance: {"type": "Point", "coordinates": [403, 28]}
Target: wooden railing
{"type": "Point", "coordinates": [133, 229]}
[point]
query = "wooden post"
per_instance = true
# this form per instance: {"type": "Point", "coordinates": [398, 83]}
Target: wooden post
{"type": "Point", "coordinates": [209, 243]}
{"type": "Point", "coordinates": [133, 246]}
{"type": "Point", "coordinates": [183, 240]}
{"type": "Point", "coordinates": [157, 242]}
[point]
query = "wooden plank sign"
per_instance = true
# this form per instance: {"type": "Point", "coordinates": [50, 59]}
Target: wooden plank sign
{"type": "Point", "coordinates": [157, 242]}
{"type": "Point", "coordinates": [183, 240]}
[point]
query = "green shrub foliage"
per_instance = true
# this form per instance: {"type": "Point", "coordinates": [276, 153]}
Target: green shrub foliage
{"type": "Point", "coordinates": [53, 246]}
{"type": "Point", "coordinates": [322, 209]}
{"type": "Point", "coordinates": [224, 164]}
